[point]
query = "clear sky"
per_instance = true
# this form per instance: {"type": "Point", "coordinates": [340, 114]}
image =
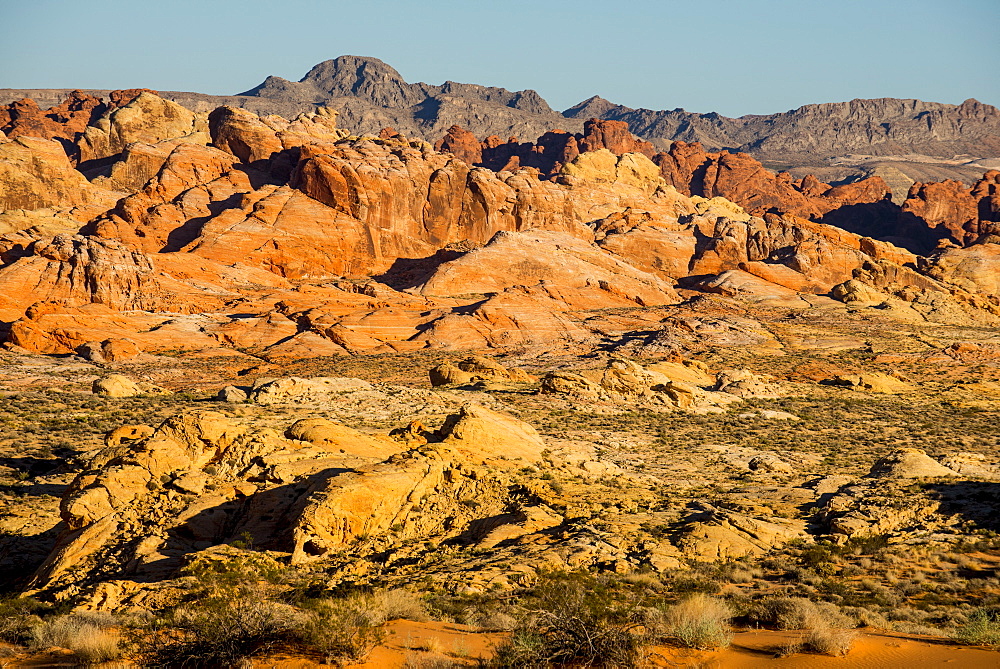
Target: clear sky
{"type": "Point", "coordinates": [730, 56]}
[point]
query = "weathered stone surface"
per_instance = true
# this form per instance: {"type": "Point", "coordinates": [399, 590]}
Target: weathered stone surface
{"type": "Point", "coordinates": [567, 269]}
{"type": "Point", "coordinates": [477, 368]}
{"type": "Point", "coordinates": [63, 121]}
{"type": "Point", "coordinates": [109, 350]}
{"type": "Point", "coordinates": [909, 463]}
{"type": "Point", "coordinates": [744, 383]}
{"type": "Point", "coordinates": [35, 173]}
{"type": "Point", "coordinates": [232, 394]}
{"type": "Point", "coordinates": [955, 210]}
{"type": "Point", "coordinates": [294, 389]}
{"type": "Point", "coordinates": [721, 534]}
{"type": "Point", "coordinates": [117, 385]}
{"type": "Point", "coordinates": [873, 382]}
{"type": "Point", "coordinates": [462, 144]}
{"type": "Point", "coordinates": [147, 118]}
{"type": "Point", "coordinates": [335, 437]}
{"type": "Point", "coordinates": [482, 435]}
{"type": "Point", "coordinates": [573, 385]}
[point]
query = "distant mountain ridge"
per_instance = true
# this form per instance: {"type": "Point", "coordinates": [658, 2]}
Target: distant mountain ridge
{"type": "Point", "coordinates": [370, 95]}
{"type": "Point", "coordinates": [884, 126]}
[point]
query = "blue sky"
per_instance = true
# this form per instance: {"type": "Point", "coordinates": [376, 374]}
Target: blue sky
{"type": "Point", "coordinates": [733, 57]}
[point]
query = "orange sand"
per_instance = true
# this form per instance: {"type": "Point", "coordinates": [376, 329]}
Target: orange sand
{"type": "Point", "coordinates": [872, 650]}
{"type": "Point", "coordinates": [755, 649]}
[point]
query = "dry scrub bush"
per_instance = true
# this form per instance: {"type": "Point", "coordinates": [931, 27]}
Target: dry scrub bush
{"type": "Point", "coordinates": [343, 628]}
{"type": "Point", "coordinates": [222, 631]}
{"type": "Point", "coordinates": [796, 613]}
{"type": "Point", "coordinates": [573, 621]}
{"type": "Point", "coordinates": [425, 662]}
{"type": "Point", "coordinates": [700, 621]}
{"type": "Point", "coordinates": [826, 640]}
{"type": "Point", "coordinates": [90, 640]}
{"type": "Point", "coordinates": [396, 604]}
{"type": "Point", "coordinates": [351, 627]}
{"type": "Point", "coordinates": [827, 630]}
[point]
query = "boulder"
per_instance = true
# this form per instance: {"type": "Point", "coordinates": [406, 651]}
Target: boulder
{"type": "Point", "coordinates": [872, 382]}
{"type": "Point", "coordinates": [477, 368]}
{"type": "Point", "coordinates": [294, 389]}
{"type": "Point", "coordinates": [147, 118]}
{"type": "Point", "coordinates": [691, 372]}
{"type": "Point", "coordinates": [480, 435]}
{"type": "Point", "coordinates": [718, 534]}
{"type": "Point", "coordinates": [909, 463]}
{"type": "Point", "coordinates": [127, 434]}
{"type": "Point", "coordinates": [566, 269]}
{"type": "Point", "coordinates": [335, 437]}
{"type": "Point", "coordinates": [63, 121]}
{"type": "Point", "coordinates": [117, 385]}
{"type": "Point", "coordinates": [602, 167]}
{"type": "Point", "coordinates": [462, 144]}
{"type": "Point", "coordinates": [447, 374]}
{"type": "Point", "coordinates": [490, 370]}
{"type": "Point", "coordinates": [744, 383]}
{"type": "Point", "coordinates": [35, 173]}
{"type": "Point", "coordinates": [971, 465]}
{"type": "Point", "coordinates": [109, 350]}
{"type": "Point", "coordinates": [232, 394]}
{"type": "Point", "coordinates": [571, 385]}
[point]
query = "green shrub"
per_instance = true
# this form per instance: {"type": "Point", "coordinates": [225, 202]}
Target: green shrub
{"type": "Point", "coordinates": [341, 628]}
{"type": "Point", "coordinates": [982, 628]}
{"type": "Point", "coordinates": [221, 630]}
{"type": "Point", "coordinates": [573, 621]}
{"type": "Point", "coordinates": [17, 616]}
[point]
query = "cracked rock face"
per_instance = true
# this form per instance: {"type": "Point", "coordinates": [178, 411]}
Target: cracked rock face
{"type": "Point", "coordinates": [152, 497]}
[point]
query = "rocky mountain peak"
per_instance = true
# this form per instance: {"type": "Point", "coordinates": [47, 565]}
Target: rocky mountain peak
{"type": "Point", "coordinates": [592, 107]}
{"type": "Point", "coordinates": [360, 76]}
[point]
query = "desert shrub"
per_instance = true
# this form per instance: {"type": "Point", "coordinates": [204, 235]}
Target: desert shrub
{"type": "Point", "coordinates": [493, 620]}
{"type": "Point", "coordinates": [425, 662]}
{"type": "Point", "coordinates": [796, 613]}
{"type": "Point", "coordinates": [825, 628]}
{"type": "Point", "coordinates": [982, 628]}
{"type": "Point", "coordinates": [231, 614]}
{"type": "Point", "coordinates": [17, 616]}
{"type": "Point", "coordinates": [699, 621]}
{"type": "Point", "coordinates": [836, 641]}
{"type": "Point", "coordinates": [867, 617]}
{"type": "Point", "coordinates": [343, 628]}
{"type": "Point", "coordinates": [89, 637]}
{"type": "Point", "coordinates": [573, 620]}
{"type": "Point", "coordinates": [221, 630]}
{"type": "Point", "coordinates": [398, 603]}
{"type": "Point", "coordinates": [478, 610]}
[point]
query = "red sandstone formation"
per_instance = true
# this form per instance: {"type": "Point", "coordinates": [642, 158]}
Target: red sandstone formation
{"type": "Point", "coordinates": [548, 153]}
{"type": "Point", "coordinates": [946, 209]}
{"type": "Point", "coordinates": [275, 212]}
{"type": "Point", "coordinates": [64, 121]}
{"type": "Point", "coordinates": [742, 179]}
{"type": "Point", "coordinates": [67, 120]}
{"type": "Point", "coordinates": [462, 143]}
{"type": "Point", "coordinates": [965, 214]}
